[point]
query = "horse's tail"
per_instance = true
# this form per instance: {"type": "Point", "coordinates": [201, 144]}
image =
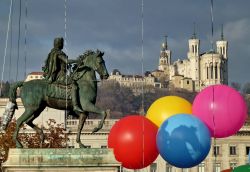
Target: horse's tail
{"type": "Point", "coordinates": [13, 89]}
{"type": "Point", "coordinates": [11, 106]}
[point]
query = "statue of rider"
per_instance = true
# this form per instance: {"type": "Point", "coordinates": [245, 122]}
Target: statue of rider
{"type": "Point", "coordinates": [55, 70]}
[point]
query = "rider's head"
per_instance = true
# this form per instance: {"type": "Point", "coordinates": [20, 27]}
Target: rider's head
{"type": "Point", "coordinates": [58, 43]}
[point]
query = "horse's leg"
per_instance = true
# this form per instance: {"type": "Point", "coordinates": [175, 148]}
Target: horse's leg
{"type": "Point", "coordinates": [90, 107]}
{"type": "Point", "coordinates": [24, 117]}
{"type": "Point", "coordinates": [106, 113]}
{"type": "Point", "coordinates": [37, 129]}
{"type": "Point", "coordinates": [82, 119]}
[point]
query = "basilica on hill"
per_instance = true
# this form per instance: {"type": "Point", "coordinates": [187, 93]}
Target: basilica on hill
{"type": "Point", "coordinates": [199, 69]}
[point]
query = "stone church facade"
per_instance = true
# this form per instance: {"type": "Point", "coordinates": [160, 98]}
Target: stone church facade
{"type": "Point", "coordinates": [198, 70]}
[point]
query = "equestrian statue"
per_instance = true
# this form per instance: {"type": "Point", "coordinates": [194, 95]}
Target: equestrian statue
{"type": "Point", "coordinates": [67, 85]}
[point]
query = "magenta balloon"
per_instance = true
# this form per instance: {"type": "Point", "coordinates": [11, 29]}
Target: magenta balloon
{"type": "Point", "coordinates": [222, 109]}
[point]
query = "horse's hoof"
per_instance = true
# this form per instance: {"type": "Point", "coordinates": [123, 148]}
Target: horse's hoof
{"type": "Point", "coordinates": [95, 130]}
{"type": "Point", "coordinates": [19, 145]}
{"type": "Point", "coordinates": [82, 146]}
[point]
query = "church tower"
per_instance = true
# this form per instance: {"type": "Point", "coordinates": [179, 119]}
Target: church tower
{"type": "Point", "coordinates": [222, 45]}
{"type": "Point", "coordinates": [193, 56]}
{"type": "Point", "coordinates": [165, 57]}
{"type": "Point", "coordinates": [222, 48]}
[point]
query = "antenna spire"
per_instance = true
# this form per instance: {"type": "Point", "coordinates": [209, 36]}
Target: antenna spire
{"type": "Point", "coordinates": [222, 34]}
{"type": "Point", "coordinates": [194, 33]}
{"type": "Point", "coordinates": [164, 45]}
{"type": "Point", "coordinates": [165, 37]}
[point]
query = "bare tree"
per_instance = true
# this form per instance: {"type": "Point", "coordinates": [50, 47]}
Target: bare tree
{"type": "Point", "coordinates": [246, 88]}
{"type": "Point", "coordinates": [236, 85]}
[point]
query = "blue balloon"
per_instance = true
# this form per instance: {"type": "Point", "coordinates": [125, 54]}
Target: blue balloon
{"type": "Point", "coordinates": [183, 140]}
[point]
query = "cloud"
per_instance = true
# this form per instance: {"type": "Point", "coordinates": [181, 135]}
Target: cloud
{"type": "Point", "coordinates": [237, 30]}
{"type": "Point", "coordinates": [114, 26]}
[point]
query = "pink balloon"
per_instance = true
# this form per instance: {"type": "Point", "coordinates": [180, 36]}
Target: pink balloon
{"type": "Point", "coordinates": [222, 109]}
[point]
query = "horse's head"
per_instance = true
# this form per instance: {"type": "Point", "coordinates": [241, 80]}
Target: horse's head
{"type": "Point", "coordinates": [95, 61]}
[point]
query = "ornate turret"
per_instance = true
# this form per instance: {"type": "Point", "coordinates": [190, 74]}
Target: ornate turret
{"type": "Point", "coordinates": [194, 45]}
{"type": "Point", "coordinates": [165, 56]}
{"type": "Point", "coordinates": [193, 56]}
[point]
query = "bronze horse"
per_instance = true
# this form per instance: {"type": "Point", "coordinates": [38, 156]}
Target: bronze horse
{"type": "Point", "coordinates": [36, 95]}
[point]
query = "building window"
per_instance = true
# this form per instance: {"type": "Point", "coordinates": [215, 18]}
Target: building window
{"type": "Point", "coordinates": [211, 71]}
{"type": "Point", "coordinates": [103, 146]}
{"type": "Point", "coordinates": [233, 165]}
{"type": "Point", "coordinates": [232, 150]}
{"type": "Point", "coordinates": [157, 85]}
{"type": "Point", "coordinates": [216, 150]}
{"type": "Point", "coordinates": [247, 150]}
{"type": "Point", "coordinates": [217, 167]}
{"type": "Point", "coordinates": [187, 82]}
{"type": "Point", "coordinates": [169, 168]}
{"type": "Point", "coordinates": [153, 167]}
{"type": "Point", "coordinates": [216, 72]}
{"type": "Point", "coordinates": [201, 167]}
{"type": "Point", "coordinates": [207, 72]}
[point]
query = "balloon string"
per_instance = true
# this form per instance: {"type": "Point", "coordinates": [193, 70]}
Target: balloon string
{"type": "Point", "coordinates": [216, 151]}
{"type": "Point", "coordinates": [6, 44]}
{"type": "Point", "coordinates": [19, 37]}
{"type": "Point", "coordinates": [142, 87]}
{"type": "Point", "coordinates": [214, 128]}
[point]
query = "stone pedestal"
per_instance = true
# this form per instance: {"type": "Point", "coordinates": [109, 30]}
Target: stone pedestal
{"type": "Point", "coordinates": [61, 160]}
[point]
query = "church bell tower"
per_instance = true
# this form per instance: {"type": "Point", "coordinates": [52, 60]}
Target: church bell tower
{"type": "Point", "coordinates": [165, 57]}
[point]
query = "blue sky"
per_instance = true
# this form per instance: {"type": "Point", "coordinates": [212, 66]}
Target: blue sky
{"type": "Point", "coordinates": [114, 26]}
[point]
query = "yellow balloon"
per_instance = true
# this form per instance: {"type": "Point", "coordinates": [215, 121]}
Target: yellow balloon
{"type": "Point", "coordinates": [164, 107]}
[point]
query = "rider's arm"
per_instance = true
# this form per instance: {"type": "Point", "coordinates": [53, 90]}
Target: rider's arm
{"type": "Point", "coordinates": [64, 59]}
